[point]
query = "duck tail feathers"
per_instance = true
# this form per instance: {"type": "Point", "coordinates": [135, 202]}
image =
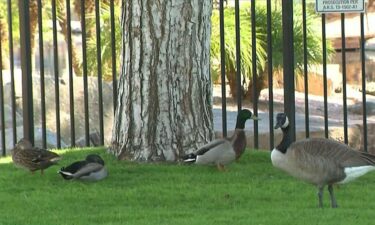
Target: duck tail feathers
{"type": "Point", "coordinates": [190, 158]}
{"type": "Point", "coordinates": [65, 174]}
{"type": "Point", "coordinates": [55, 160]}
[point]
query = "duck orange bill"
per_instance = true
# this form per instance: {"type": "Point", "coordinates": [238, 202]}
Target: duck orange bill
{"type": "Point", "coordinates": [253, 117]}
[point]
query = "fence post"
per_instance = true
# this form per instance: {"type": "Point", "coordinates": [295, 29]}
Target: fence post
{"type": "Point", "coordinates": [27, 93]}
{"type": "Point", "coordinates": [288, 64]}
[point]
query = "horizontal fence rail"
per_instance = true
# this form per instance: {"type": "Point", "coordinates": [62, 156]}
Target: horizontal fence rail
{"type": "Point", "coordinates": [67, 67]}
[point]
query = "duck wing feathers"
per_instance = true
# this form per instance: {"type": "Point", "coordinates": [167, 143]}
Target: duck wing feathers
{"type": "Point", "coordinates": [87, 170]}
{"type": "Point", "coordinates": [218, 152]}
{"type": "Point", "coordinates": [74, 167]}
{"type": "Point", "coordinates": [44, 155]}
{"type": "Point", "coordinates": [37, 155]}
{"type": "Point", "coordinates": [35, 158]}
{"type": "Point", "coordinates": [211, 145]}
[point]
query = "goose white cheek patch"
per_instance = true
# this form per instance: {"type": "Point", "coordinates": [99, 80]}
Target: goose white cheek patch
{"type": "Point", "coordinates": [285, 125]}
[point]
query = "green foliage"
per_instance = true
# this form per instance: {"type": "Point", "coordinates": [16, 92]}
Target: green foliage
{"type": "Point", "coordinates": [314, 41]}
{"type": "Point", "coordinates": [250, 192]}
{"type": "Point", "coordinates": [313, 38]}
{"type": "Point", "coordinates": [4, 21]}
{"type": "Point", "coordinates": [105, 26]}
{"type": "Point", "coordinates": [230, 42]}
{"type": "Point", "coordinates": [105, 41]}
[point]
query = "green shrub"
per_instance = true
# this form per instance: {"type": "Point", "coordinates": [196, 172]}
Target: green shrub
{"type": "Point", "coordinates": [230, 44]}
{"type": "Point", "coordinates": [314, 43]}
{"type": "Point", "coordinates": [105, 41]}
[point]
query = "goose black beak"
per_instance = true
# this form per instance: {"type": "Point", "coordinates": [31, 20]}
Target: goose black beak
{"type": "Point", "coordinates": [278, 125]}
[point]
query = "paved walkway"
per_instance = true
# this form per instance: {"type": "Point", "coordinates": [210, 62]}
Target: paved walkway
{"type": "Point", "coordinates": [316, 110]}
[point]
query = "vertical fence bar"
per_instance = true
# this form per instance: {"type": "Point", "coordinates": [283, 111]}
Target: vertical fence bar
{"type": "Point", "coordinates": [84, 65]}
{"type": "Point", "coordinates": [99, 70]}
{"type": "Point", "coordinates": [270, 75]}
{"type": "Point", "coordinates": [254, 71]}
{"type": "Point", "coordinates": [363, 69]}
{"type": "Point", "coordinates": [324, 44]}
{"type": "Point", "coordinates": [41, 65]}
{"type": "Point", "coordinates": [27, 84]}
{"type": "Point", "coordinates": [113, 49]}
{"type": "Point", "coordinates": [11, 61]}
{"type": "Point", "coordinates": [70, 71]}
{"type": "Point", "coordinates": [288, 57]}
{"type": "Point", "coordinates": [305, 69]}
{"type": "Point", "coordinates": [2, 120]}
{"type": "Point", "coordinates": [222, 70]}
{"type": "Point", "coordinates": [343, 54]}
{"type": "Point", "coordinates": [238, 55]}
{"type": "Point", "coordinates": [56, 73]}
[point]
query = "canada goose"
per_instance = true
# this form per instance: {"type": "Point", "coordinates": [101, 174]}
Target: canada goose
{"type": "Point", "coordinates": [223, 151]}
{"type": "Point", "coordinates": [319, 161]}
{"type": "Point", "coordinates": [32, 158]}
{"type": "Point", "coordinates": [90, 169]}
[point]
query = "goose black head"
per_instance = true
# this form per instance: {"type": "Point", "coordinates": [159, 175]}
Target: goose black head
{"type": "Point", "coordinates": [244, 115]}
{"type": "Point", "coordinates": [95, 159]}
{"type": "Point", "coordinates": [282, 121]}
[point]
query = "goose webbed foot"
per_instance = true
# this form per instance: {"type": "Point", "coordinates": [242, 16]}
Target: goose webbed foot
{"type": "Point", "coordinates": [333, 199]}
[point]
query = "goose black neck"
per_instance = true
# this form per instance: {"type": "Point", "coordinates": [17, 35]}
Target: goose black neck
{"type": "Point", "coordinates": [286, 141]}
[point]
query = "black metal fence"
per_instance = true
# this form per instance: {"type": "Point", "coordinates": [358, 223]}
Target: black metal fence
{"type": "Point", "coordinates": [289, 77]}
{"type": "Point", "coordinates": [66, 31]}
{"type": "Point", "coordinates": [45, 40]}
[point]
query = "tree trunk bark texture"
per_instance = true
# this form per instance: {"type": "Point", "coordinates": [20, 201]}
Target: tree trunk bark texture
{"type": "Point", "coordinates": [165, 92]}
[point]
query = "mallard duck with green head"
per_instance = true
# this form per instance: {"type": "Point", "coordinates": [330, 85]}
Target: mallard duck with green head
{"type": "Point", "coordinates": [221, 152]}
{"type": "Point", "coordinates": [90, 169]}
{"type": "Point", "coordinates": [33, 158]}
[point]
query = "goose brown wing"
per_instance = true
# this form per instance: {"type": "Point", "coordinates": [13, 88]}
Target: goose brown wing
{"type": "Point", "coordinates": [365, 158]}
{"type": "Point", "coordinates": [336, 152]}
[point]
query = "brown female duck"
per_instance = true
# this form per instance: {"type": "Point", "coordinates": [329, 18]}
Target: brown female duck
{"type": "Point", "coordinates": [32, 158]}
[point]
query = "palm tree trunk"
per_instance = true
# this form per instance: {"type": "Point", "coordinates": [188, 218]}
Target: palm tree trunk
{"type": "Point", "coordinates": [33, 10]}
{"type": "Point", "coordinates": [261, 83]}
{"type": "Point", "coordinates": [62, 19]}
{"type": "Point", "coordinates": [232, 81]}
{"type": "Point", "coordinates": [4, 39]}
{"type": "Point", "coordinates": [77, 7]}
{"type": "Point", "coordinates": [33, 24]}
{"type": "Point", "coordinates": [89, 9]}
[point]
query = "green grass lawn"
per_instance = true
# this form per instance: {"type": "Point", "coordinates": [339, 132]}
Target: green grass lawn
{"type": "Point", "coordinates": [250, 192]}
